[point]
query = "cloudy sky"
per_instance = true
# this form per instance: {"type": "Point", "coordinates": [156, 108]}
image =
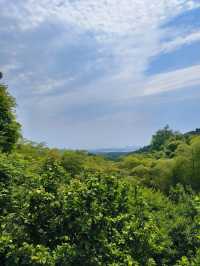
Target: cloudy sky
{"type": "Point", "coordinates": [101, 73]}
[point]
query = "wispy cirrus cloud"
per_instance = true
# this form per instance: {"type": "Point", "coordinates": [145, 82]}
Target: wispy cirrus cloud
{"type": "Point", "coordinates": [104, 16]}
{"type": "Point", "coordinates": [169, 81]}
{"type": "Point", "coordinates": [187, 39]}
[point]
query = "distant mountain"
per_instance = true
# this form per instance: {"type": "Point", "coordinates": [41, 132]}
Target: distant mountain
{"type": "Point", "coordinates": [114, 150]}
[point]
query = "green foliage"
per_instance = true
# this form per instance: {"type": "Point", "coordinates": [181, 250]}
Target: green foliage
{"type": "Point", "coordinates": [9, 128]}
{"type": "Point", "coordinates": [52, 218]}
{"type": "Point", "coordinates": [162, 137]}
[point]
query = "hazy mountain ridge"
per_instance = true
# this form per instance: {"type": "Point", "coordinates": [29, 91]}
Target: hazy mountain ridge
{"type": "Point", "coordinates": [114, 150]}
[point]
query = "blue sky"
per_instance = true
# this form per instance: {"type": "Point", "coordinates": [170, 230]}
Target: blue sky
{"type": "Point", "coordinates": [101, 73]}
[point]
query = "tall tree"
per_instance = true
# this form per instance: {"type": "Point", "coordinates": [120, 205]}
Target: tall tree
{"type": "Point", "coordinates": [9, 127]}
{"type": "Point", "coordinates": [161, 137]}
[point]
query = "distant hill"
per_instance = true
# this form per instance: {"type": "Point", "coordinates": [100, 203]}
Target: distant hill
{"type": "Point", "coordinates": [114, 150]}
{"type": "Point", "coordinates": [114, 153]}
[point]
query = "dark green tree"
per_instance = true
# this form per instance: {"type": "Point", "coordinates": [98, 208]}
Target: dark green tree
{"type": "Point", "coordinates": [161, 137]}
{"type": "Point", "coordinates": [9, 127]}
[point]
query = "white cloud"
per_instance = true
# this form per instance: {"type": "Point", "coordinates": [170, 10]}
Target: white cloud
{"type": "Point", "coordinates": [128, 30]}
{"type": "Point", "coordinates": [110, 16]}
{"type": "Point", "coordinates": [128, 33]}
{"type": "Point", "coordinates": [182, 78]}
{"type": "Point", "coordinates": [180, 41]}
{"type": "Point", "coordinates": [105, 94]}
